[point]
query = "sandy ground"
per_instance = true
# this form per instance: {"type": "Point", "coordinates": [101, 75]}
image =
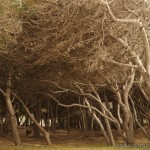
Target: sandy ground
{"type": "Point", "coordinates": [76, 138]}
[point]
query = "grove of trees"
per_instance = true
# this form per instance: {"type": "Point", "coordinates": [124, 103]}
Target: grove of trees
{"type": "Point", "coordinates": [75, 64]}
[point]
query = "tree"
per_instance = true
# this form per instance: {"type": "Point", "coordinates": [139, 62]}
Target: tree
{"type": "Point", "coordinates": [91, 39]}
{"type": "Point", "coordinates": [80, 46]}
{"type": "Point", "coordinates": [10, 28]}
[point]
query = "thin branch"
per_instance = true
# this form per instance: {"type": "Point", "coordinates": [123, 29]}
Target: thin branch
{"type": "Point", "coordinates": [135, 56]}
{"type": "Point", "coordinates": [130, 82]}
{"type": "Point", "coordinates": [79, 105]}
{"type": "Point", "coordinates": [121, 64]}
{"type": "Point", "coordinates": [118, 113]}
{"type": "Point", "coordinates": [136, 119]}
{"type": "Point", "coordinates": [2, 92]}
{"type": "Point", "coordinates": [45, 133]}
{"type": "Point", "coordinates": [143, 32]}
{"type": "Point", "coordinates": [143, 92]}
{"type": "Point", "coordinates": [127, 8]}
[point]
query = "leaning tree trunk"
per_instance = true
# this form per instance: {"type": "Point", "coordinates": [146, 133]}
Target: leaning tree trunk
{"type": "Point", "coordinates": [44, 132]}
{"type": "Point", "coordinates": [108, 127]}
{"type": "Point", "coordinates": [99, 123]}
{"type": "Point", "coordinates": [96, 118]}
{"type": "Point", "coordinates": [11, 113]}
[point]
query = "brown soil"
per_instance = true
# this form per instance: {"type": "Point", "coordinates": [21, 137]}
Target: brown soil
{"type": "Point", "coordinates": [76, 137]}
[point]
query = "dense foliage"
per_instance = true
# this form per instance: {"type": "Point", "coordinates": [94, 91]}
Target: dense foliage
{"type": "Point", "coordinates": [81, 52]}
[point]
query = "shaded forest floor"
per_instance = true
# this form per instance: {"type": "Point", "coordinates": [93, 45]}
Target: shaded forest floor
{"type": "Point", "coordinates": [75, 138]}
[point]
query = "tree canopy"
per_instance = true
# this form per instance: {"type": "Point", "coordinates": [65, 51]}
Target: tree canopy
{"type": "Point", "coordinates": [56, 48]}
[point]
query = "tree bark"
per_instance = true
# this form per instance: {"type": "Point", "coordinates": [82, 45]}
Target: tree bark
{"type": "Point", "coordinates": [123, 101]}
{"type": "Point", "coordinates": [6, 125]}
{"type": "Point", "coordinates": [99, 123]}
{"type": "Point", "coordinates": [128, 124]}
{"type": "Point", "coordinates": [68, 121]}
{"type": "Point", "coordinates": [11, 113]}
{"type": "Point", "coordinates": [17, 118]}
{"type": "Point", "coordinates": [48, 115]}
{"type": "Point", "coordinates": [44, 132]}
{"type": "Point", "coordinates": [37, 116]}
{"type": "Point", "coordinates": [108, 127]}
{"type": "Point", "coordinates": [1, 127]}
{"type": "Point", "coordinates": [109, 130]}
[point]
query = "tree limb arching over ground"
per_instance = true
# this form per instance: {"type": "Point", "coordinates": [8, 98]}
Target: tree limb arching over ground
{"type": "Point", "coordinates": [86, 54]}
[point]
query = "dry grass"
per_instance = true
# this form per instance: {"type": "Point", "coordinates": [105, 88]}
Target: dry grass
{"type": "Point", "coordinates": [69, 148]}
{"type": "Point", "coordinates": [76, 140]}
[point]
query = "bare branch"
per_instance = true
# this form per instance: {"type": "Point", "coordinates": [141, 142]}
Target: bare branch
{"type": "Point", "coordinates": [130, 82]}
{"type": "Point", "coordinates": [136, 119]}
{"type": "Point", "coordinates": [79, 105]}
{"type": "Point", "coordinates": [45, 133]}
{"type": "Point", "coordinates": [2, 92]}
{"type": "Point", "coordinates": [127, 8]}
{"type": "Point", "coordinates": [136, 57]}
{"type": "Point", "coordinates": [143, 31]}
{"type": "Point", "coordinates": [121, 64]}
